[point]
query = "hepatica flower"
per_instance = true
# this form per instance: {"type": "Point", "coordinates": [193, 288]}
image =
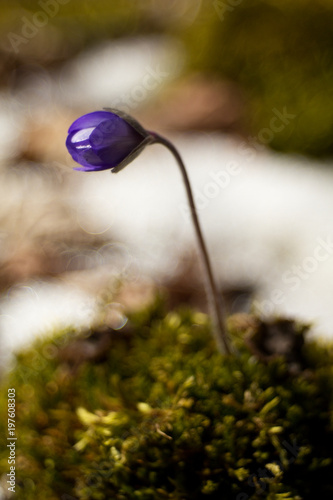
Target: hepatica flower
{"type": "Point", "coordinates": [110, 140]}
{"type": "Point", "coordinates": [105, 140]}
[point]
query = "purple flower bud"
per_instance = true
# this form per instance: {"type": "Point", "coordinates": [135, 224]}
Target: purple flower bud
{"type": "Point", "coordinates": [106, 139]}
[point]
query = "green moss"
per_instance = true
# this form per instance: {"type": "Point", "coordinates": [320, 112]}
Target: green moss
{"type": "Point", "coordinates": [164, 416]}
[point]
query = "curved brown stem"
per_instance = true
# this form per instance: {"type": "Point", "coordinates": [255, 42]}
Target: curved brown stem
{"type": "Point", "coordinates": [214, 298]}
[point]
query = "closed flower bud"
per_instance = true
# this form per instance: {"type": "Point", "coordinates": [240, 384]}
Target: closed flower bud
{"type": "Point", "coordinates": [106, 139]}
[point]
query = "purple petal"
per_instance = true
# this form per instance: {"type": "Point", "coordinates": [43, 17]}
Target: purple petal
{"type": "Point", "coordinates": [115, 131]}
{"type": "Point", "coordinates": [115, 154]}
{"type": "Point", "coordinates": [82, 136]}
{"type": "Point", "coordinates": [91, 169]}
{"type": "Point", "coordinates": [82, 153]}
{"type": "Point", "coordinates": [76, 149]}
{"type": "Point", "coordinates": [90, 120]}
{"type": "Point", "coordinates": [73, 146]}
{"type": "Point", "coordinates": [114, 140]}
{"type": "Point", "coordinates": [89, 157]}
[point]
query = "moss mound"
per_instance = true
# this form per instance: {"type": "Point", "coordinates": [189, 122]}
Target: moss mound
{"type": "Point", "coordinates": [154, 412]}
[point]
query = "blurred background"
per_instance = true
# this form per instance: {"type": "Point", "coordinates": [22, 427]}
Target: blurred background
{"type": "Point", "coordinates": [244, 89]}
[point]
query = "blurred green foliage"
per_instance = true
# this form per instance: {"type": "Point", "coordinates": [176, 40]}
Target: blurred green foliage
{"type": "Point", "coordinates": [281, 54]}
{"type": "Point", "coordinates": [79, 22]}
{"type": "Point", "coordinates": [164, 415]}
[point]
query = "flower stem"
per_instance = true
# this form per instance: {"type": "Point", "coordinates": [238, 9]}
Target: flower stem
{"type": "Point", "coordinates": [214, 299]}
